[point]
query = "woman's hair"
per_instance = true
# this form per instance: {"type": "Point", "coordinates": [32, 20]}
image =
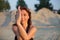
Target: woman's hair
{"type": "Point", "coordinates": [29, 20]}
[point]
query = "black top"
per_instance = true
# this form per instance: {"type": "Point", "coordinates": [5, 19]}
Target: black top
{"type": "Point", "coordinates": [16, 36]}
{"type": "Point", "coordinates": [17, 39]}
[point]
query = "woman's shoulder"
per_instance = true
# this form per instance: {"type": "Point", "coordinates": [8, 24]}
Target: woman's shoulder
{"type": "Point", "coordinates": [32, 26]}
{"type": "Point", "coordinates": [14, 24]}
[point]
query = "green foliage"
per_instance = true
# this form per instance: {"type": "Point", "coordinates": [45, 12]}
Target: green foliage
{"type": "Point", "coordinates": [42, 4]}
{"type": "Point", "coordinates": [4, 5]}
{"type": "Point", "coordinates": [21, 3]}
{"type": "Point", "coordinates": [58, 11]}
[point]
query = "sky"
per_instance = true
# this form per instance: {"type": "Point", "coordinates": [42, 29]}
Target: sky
{"type": "Point", "coordinates": [31, 3]}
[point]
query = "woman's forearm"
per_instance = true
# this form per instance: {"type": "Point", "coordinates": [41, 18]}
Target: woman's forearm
{"type": "Point", "coordinates": [22, 31]}
{"type": "Point", "coordinates": [19, 38]}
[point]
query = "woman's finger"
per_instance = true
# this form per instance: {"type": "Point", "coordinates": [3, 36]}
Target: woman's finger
{"type": "Point", "coordinates": [19, 9]}
{"type": "Point", "coordinates": [19, 13]}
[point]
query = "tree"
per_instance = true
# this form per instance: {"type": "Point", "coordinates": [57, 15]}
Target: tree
{"type": "Point", "coordinates": [42, 4]}
{"type": "Point", "coordinates": [58, 11]}
{"type": "Point", "coordinates": [4, 5]}
{"type": "Point", "coordinates": [7, 5]}
{"type": "Point", "coordinates": [21, 3]}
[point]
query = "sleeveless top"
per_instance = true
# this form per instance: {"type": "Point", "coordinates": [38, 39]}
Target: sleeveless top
{"type": "Point", "coordinates": [17, 39]}
{"type": "Point", "coordinates": [16, 36]}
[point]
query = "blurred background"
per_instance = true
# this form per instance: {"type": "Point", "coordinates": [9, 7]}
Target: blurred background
{"type": "Point", "coordinates": [45, 16]}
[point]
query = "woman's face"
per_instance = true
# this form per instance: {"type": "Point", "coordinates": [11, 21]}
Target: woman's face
{"type": "Point", "coordinates": [24, 16]}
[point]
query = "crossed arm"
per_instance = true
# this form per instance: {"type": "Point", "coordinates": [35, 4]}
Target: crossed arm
{"type": "Point", "coordinates": [25, 35]}
{"type": "Point", "coordinates": [22, 33]}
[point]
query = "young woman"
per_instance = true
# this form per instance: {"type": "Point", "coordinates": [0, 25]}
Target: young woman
{"type": "Point", "coordinates": [23, 29]}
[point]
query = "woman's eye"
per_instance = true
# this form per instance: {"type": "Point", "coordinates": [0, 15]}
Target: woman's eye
{"type": "Point", "coordinates": [24, 14]}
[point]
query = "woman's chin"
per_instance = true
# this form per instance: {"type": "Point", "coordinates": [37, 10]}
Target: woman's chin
{"type": "Point", "coordinates": [22, 22]}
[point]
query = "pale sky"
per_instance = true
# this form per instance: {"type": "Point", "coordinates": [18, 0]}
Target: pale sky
{"type": "Point", "coordinates": [31, 3]}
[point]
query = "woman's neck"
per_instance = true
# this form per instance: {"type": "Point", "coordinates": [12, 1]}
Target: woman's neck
{"type": "Point", "coordinates": [25, 25]}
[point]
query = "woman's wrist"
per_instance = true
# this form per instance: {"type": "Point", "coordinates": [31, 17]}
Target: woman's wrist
{"type": "Point", "coordinates": [18, 23]}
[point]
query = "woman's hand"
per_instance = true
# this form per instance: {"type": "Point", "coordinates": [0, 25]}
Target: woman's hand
{"type": "Point", "coordinates": [19, 16]}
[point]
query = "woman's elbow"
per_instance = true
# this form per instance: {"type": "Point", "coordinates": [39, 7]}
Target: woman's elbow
{"type": "Point", "coordinates": [26, 38]}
